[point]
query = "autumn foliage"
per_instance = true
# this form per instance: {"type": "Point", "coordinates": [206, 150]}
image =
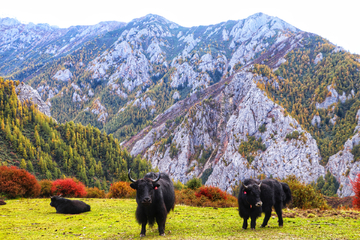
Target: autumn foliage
{"type": "Point", "coordinates": [212, 193]}
{"type": "Point", "coordinates": [16, 182]}
{"type": "Point", "coordinates": [121, 190]}
{"type": "Point", "coordinates": [95, 192]}
{"type": "Point", "coordinates": [45, 188]}
{"type": "Point", "coordinates": [356, 188]}
{"type": "Point", "coordinates": [68, 187]}
{"type": "Point", "coordinates": [205, 196]}
{"type": "Point", "coordinates": [304, 196]}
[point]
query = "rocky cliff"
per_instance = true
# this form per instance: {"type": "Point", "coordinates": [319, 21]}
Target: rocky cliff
{"type": "Point", "coordinates": [26, 92]}
{"type": "Point", "coordinates": [217, 126]}
{"type": "Point", "coordinates": [344, 166]}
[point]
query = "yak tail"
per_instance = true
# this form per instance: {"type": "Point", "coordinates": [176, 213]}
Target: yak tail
{"type": "Point", "coordinates": [287, 192]}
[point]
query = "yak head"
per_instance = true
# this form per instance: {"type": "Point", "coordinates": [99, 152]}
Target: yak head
{"type": "Point", "coordinates": [251, 194]}
{"type": "Point", "coordinates": [55, 201]}
{"type": "Point", "coordinates": [145, 189]}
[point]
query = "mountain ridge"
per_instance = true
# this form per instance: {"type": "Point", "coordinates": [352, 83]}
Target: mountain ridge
{"type": "Point", "coordinates": [146, 81]}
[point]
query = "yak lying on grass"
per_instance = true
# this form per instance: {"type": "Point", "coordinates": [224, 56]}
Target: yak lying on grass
{"type": "Point", "coordinates": [67, 206]}
{"type": "Point", "coordinates": [155, 197]}
{"type": "Point", "coordinates": [256, 197]}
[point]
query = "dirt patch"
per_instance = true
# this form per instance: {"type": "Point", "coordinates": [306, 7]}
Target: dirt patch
{"type": "Point", "coordinates": [311, 213]}
{"type": "Point", "coordinates": [336, 202]}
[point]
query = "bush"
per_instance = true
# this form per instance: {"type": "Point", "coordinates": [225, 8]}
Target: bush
{"type": "Point", "coordinates": [95, 193]}
{"type": "Point", "coordinates": [201, 198]}
{"type": "Point", "coordinates": [121, 190]}
{"type": "Point", "coordinates": [251, 146]}
{"type": "Point", "coordinates": [68, 187]}
{"type": "Point", "coordinates": [16, 182]}
{"type": "Point", "coordinates": [294, 135]}
{"type": "Point", "coordinates": [262, 128]}
{"type": "Point", "coordinates": [212, 193]}
{"type": "Point", "coordinates": [304, 196]}
{"type": "Point", "coordinates": [45, 188]}
{"type": "Point", "coordinates": [194, 183]}
{"type": "Point", "coordinates": [356, 188]}
{"type": "Point", "coordinates": [178, 185]}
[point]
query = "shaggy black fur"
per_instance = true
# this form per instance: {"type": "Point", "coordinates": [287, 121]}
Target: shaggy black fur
{"type": "Point", "coordinates": [155, 200]}
{"type": "Point", "coordinates": [253, 200]}
{"type": "Point", "coordinates": [63, 205]}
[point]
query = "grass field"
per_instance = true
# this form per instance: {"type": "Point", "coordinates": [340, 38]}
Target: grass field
{"type": "Point", "coordinates": [115, 219]}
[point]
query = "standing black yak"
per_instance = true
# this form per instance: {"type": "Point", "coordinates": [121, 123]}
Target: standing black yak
{"type": "Point", "coordinates": [155, 197]}
{"type": "Point", "coordinates": [67, 206]}
{"type": "Point", "coordinates": [256, 197]}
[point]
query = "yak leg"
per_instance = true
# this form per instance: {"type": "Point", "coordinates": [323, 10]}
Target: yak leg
{"type": "Point", "coordinates": [279, 214]}
{"type": "Point", "coordinates": [266, 218]}
{"type": "Point", "coordinates": [143, 230]}
{"type": "Point", "coordinates": [161, 228]}
{"type": "Point", "coordinates": [160, 220]}
{"type": "Point", "coordinates": [245, 222]}
{"type": "Point", "coordinates": [253, 222]}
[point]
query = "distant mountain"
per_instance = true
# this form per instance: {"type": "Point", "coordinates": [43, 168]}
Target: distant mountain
{"type": "Point", "coordinates": [222, 102]}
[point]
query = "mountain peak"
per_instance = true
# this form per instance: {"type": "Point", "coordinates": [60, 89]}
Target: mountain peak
{"type": "Point", "coordinates": [149, 18]}
{"type": "Point", "coordinates": [9, 21]}
{"type": "Point", "coordinates": [274, 22]}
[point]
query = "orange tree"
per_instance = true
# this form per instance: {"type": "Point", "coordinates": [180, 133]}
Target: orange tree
{"type": "Point", "coordinates": [16, 182]}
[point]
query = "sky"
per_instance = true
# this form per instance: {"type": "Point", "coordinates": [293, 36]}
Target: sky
{"type": "Point", "coordinates": [337, 21]}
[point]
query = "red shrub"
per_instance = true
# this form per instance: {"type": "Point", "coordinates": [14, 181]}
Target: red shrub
{"type": "Point", "coordinates": [45, 188]}
{"type": "Point", "coordinates": [212, 193]}
{"type": "Point", "coordinates": [121, 190]}
{"type": "Point", "coordinates": [195, 198]}
{"type": "Point", "coordinates": [95, 193]}
{"type": "Point", "coordinates": [68, 187]}
{"type": "Point", "coordinates": [356, 188]}
{"type": "Point", "coordinates": [16, 182]}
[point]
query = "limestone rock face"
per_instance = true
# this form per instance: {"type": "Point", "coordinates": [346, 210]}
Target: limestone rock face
{"type": "Point", "coordinates": [26, 92]}
{"type": "Point", "coordinates": [218, 127]}
{"type": "Point", "coordinates": [63, 75]}
{"type": "Point", "coordinates": [99, 110]}
{"type": "Point", "coordinates": [333, 98]}
{"type": "Point", "coordinates": [343, 165]}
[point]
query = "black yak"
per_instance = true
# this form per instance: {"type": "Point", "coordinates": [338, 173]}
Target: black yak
{"type": "Point", "coordinates": [256, 197]}
{"type": "Point", "coordinates": [155, 197]}
{"type": "Point", "coordinates": [63, 205]}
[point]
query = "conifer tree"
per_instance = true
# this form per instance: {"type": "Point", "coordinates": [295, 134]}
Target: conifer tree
{"type": "Point", "coordinates": [30, 166]}
{"type": "Point", "coordinates": [23, 164]}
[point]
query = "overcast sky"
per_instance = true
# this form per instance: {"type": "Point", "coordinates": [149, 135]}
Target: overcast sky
{"type": "Point", "coordinates": [337, 21]}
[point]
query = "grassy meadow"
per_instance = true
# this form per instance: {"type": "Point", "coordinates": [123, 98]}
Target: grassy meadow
{"type": "Point", "coordinates": [115, 219]}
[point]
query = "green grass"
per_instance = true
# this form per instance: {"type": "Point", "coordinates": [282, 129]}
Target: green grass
{"type": "Point", "coordinates": [115, 219]}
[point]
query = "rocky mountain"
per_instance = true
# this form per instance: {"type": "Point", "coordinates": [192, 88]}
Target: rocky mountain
{"type": "Point", "coordinates": [194, 101]}
{"type": "Point", "coordinates": [25, 45]}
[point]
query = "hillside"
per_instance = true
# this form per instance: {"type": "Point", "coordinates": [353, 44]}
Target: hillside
{"type": "Point", "coordinates": [223, 102]}
{"type": "Point", "coordinates": [37, 143]}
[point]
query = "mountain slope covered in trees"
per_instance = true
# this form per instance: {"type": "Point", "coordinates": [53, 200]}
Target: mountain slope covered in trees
{"type": "Point", "coordinates": [37, 143]}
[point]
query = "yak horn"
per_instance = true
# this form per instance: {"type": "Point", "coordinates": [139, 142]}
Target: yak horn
{"type": "Point", "coordinates": [260, 184]}
{"type": "Point", "coordinates": [132, 180]}
{"type": "Point", "coordinates": [157, 179]}
{"type": "Point", "coordinates": [244, 185]}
